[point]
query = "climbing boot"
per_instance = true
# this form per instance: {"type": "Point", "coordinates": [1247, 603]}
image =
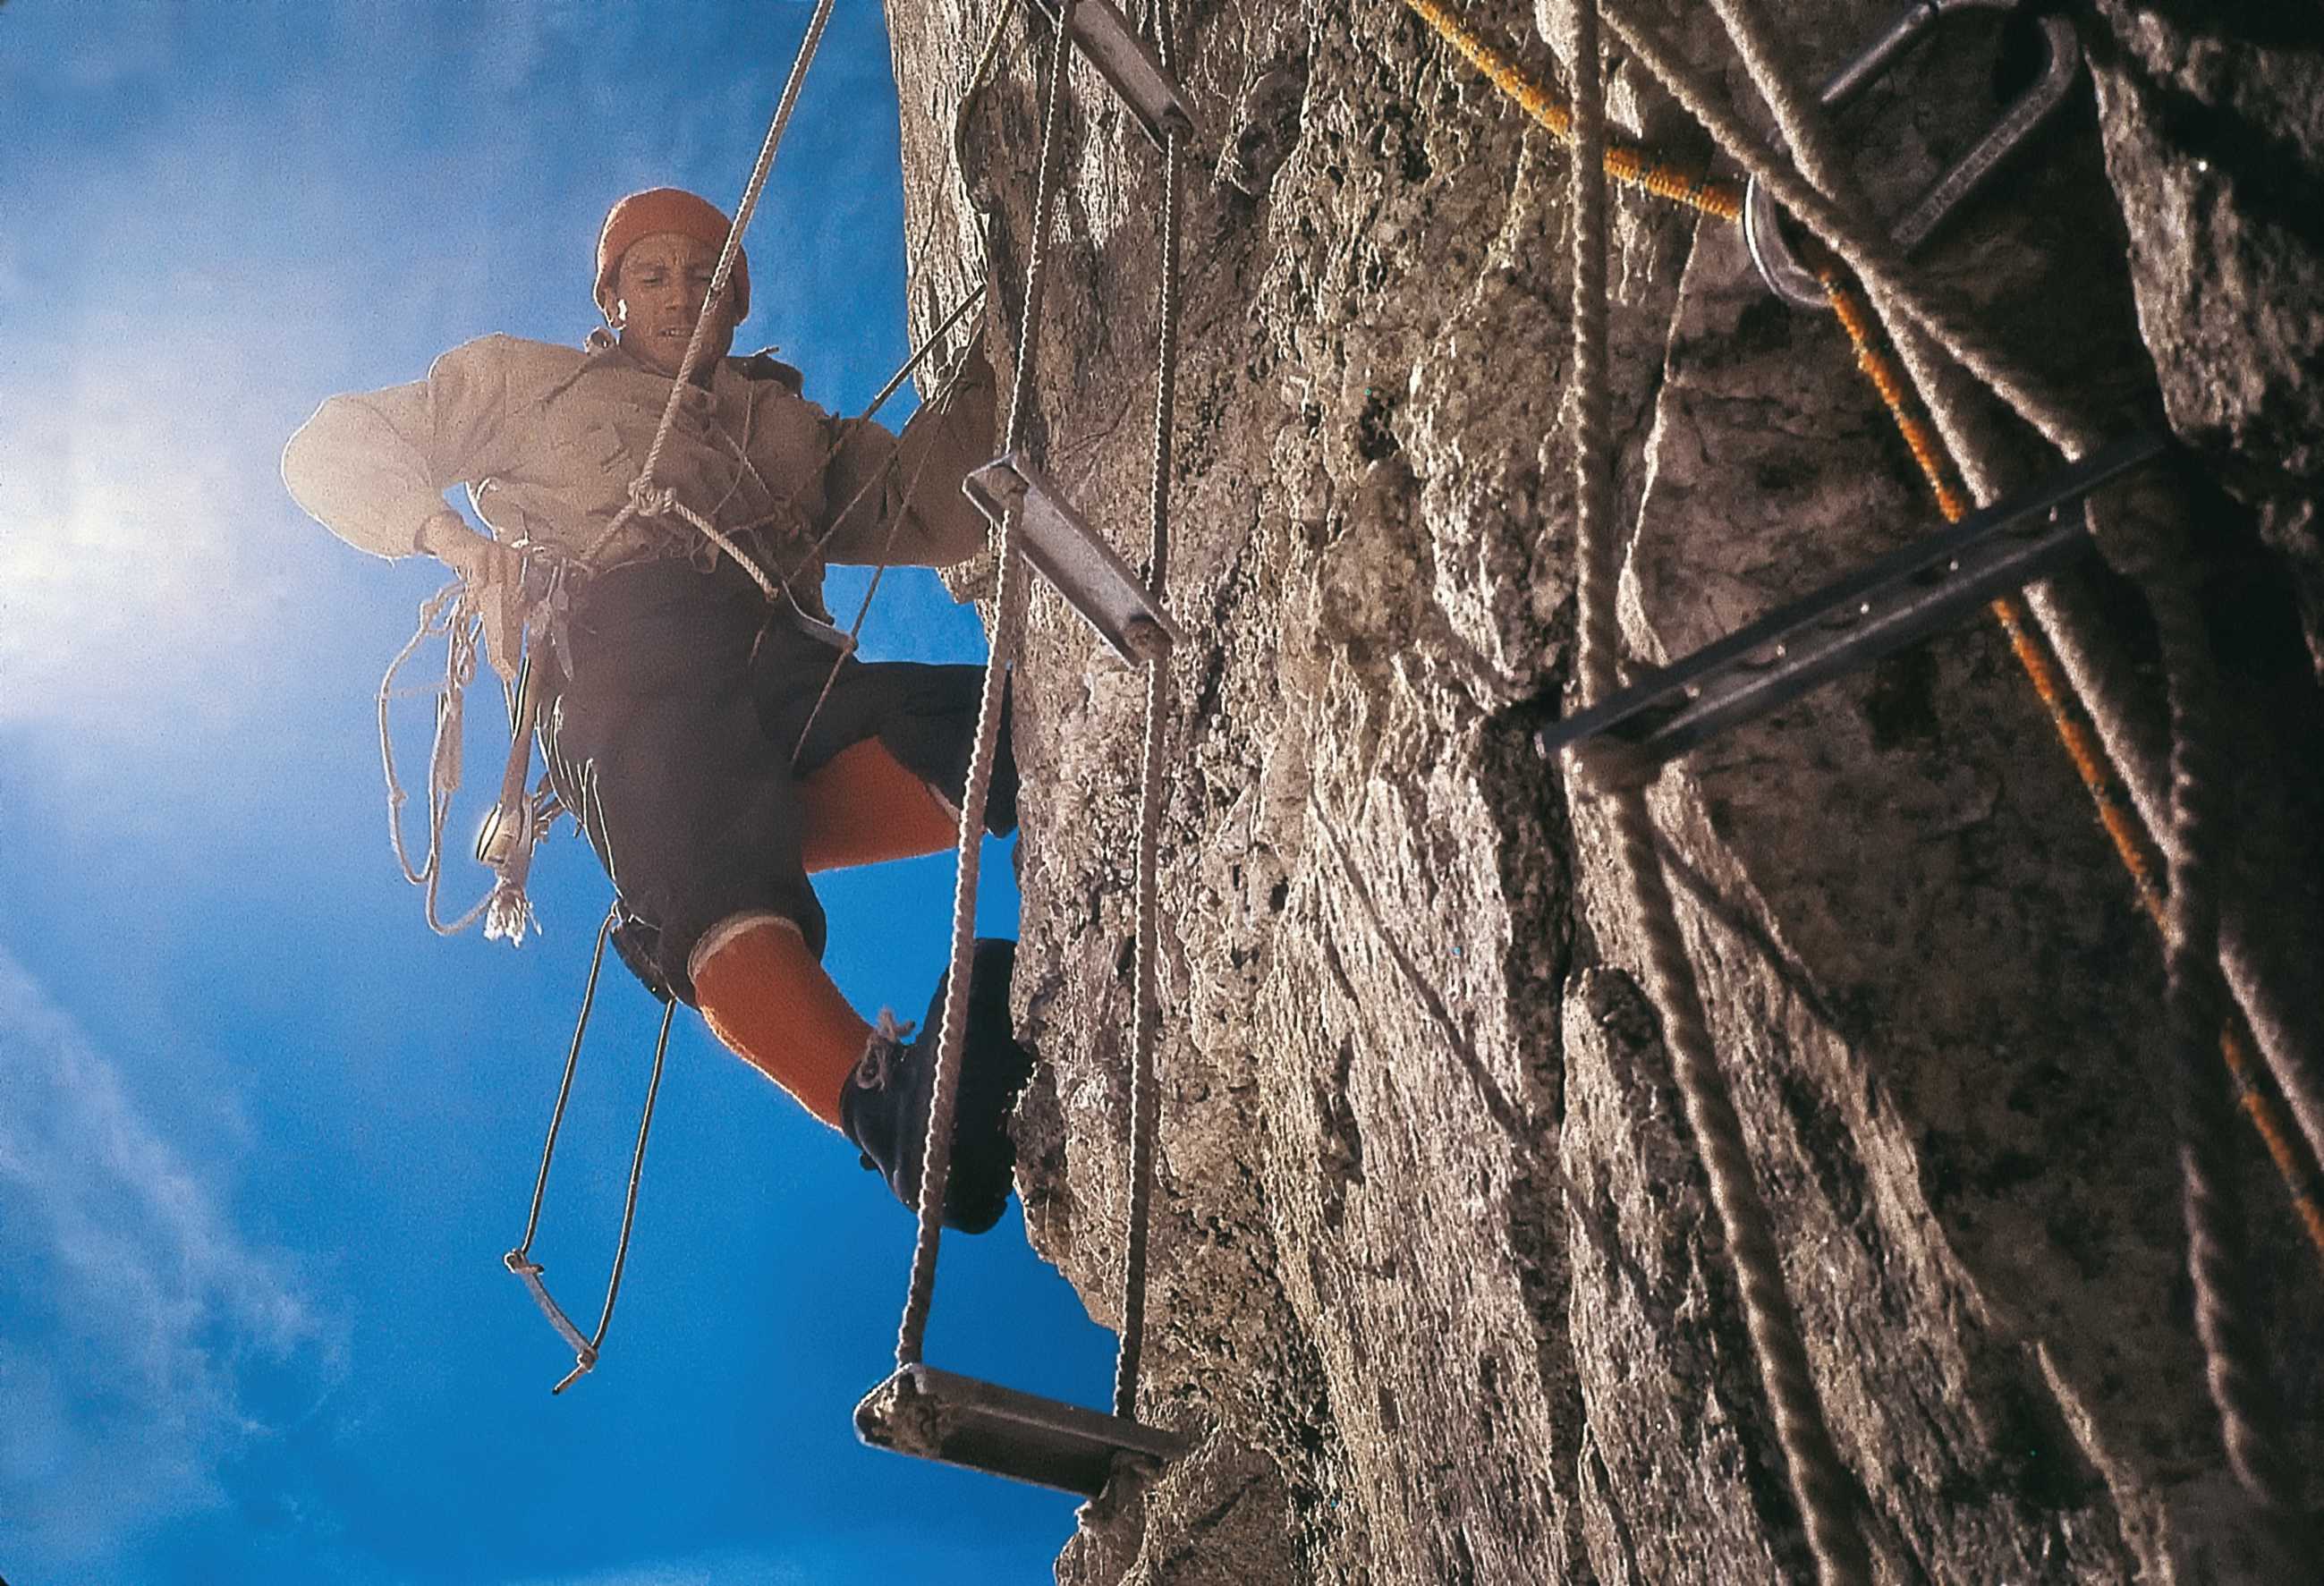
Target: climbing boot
{"type": "Point", "coordinates": [884, 1109]}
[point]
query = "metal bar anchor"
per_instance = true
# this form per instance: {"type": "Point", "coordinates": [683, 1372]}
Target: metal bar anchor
{"type": "Point", "coordinates": [1128, 64]}
{"type": "Point", "coordinates": [955, 1420]}
{"type": "Point", "coordinates": [1780, 267]}
{"type": "Point", "coordinates": [1873, 611]}
{"type": "Point", "coordinates": [1074, 558]}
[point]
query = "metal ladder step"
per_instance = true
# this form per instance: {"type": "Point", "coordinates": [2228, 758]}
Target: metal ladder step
{"type": "Point", "coordinates": [956, 1420]}
{"type": "Point", "coordinates": [1074, 558]}
{"type": "Point", "coordinates": [1873, 611]}
{"type": "Point", "coordinates": [1130, 66]}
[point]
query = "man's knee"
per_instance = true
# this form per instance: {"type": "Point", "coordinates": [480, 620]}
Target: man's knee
{"type": "Point", "coordinates": [664, 952]}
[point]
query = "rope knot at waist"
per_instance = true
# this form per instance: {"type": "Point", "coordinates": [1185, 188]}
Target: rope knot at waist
{"type": "Point", "coordinates": [649, 500]}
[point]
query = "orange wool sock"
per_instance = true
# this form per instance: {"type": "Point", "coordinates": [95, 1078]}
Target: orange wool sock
{"type": "Point", "coordinates": [864, 806]}
{"type": "Point", "coordinates": [764, 995]}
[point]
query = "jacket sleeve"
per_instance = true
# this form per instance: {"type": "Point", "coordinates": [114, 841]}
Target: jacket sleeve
{"type": "Point", "coordinates": [940, 446]}
{"type": "Point", "coordinates": [372, 466]}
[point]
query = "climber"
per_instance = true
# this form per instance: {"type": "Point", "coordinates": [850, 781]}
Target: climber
{"type": "Point", "coordinates": [683, 712]}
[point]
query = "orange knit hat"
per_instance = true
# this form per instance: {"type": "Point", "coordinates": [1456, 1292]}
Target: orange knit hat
{"type": "Point", "coordinates": [652, 212]}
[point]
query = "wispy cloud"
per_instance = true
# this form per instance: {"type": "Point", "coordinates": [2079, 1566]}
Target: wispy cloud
{"type": "Point", "coordinates": [144, 1341]}
{"type": "Point", "coordinates": [814, 1561]}
{"type": "Point", "coordinates": [720, 1569]}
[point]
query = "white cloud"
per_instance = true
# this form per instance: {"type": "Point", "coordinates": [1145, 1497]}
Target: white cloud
{"type": "Point", "coordinates": [722, 1568]}
{"type": "Point", "coordinates": [135, 1317]}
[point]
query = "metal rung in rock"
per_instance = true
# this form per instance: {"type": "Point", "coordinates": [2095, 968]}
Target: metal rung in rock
{"type": "Point", "coordinates": [1130, 67]}
{"type": "Point", "coordinates": [1074, 558]}
{"type": "Point", "coordinates": [934, 1414]}
{"type": "Point", "coordinates": [1874, 612]}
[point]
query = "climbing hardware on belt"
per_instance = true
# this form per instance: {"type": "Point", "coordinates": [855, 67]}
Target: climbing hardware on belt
{"type": "Point", "coordinates": [919, 1410]}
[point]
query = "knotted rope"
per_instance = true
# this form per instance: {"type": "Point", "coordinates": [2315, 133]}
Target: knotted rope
{"type": "Point", "coordinates": [649, 497]}
{"type": "Point", "coordinates": [1819, 1481]}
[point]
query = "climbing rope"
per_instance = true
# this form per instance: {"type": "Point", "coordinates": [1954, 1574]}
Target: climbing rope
{"type": "Point", "coordinates": [450, 613]}
{"type": "Point", "coordinates": [564, 1088]}
{"type": "Point", "coordinates": [2251, 1419]}
{"type": "Point", "coordinates": [936, 1160]}
{"type": "Point", "coordinates": [2155, 560]}
{"type": "Point", "coordinates": [2189, 922]}
{"type": "Point", "coordinates": [942, 402]}
{"type": "Point", "coordinates": [2266, 1117]}
{"type": "Point", "coordinates": [1822, 199]}
{"type": "Point", "coordinates": [724, 271]}
{"type": "Point", "coordinates": [813, 554]}
{"type": "Point", "coordinates": [1819, 1481]}
{"type": "Point", "coordinates": [647, 497]}
{"type": "Point", "coordinates": [2101, 764]}
{"type": "Point", "coordinates": [2234, 1364]}
{"type": "Point", "coordinates": [1145, 1032]}
{"type": "Point", "coordinates": [1626, 162]}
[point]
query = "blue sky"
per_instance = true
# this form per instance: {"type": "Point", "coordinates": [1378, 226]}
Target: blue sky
{"type": "Point", "coordinates": [263, 1139]}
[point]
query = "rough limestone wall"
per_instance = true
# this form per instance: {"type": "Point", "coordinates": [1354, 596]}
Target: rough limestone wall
{"type": "Point", "coordinates": [1435, 1283]}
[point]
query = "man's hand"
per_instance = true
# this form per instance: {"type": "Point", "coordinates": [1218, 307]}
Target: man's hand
{"type": "Point", "coordinates": [491, 571]}
{"type": "Point", "coordinates": [480, 562]}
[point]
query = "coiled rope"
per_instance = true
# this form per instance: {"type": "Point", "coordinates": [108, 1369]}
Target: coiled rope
{"type": "Point", "coordinates": [447, 611]}
{"type": "Point", "coordinates": [1819, 1481]}
{"type": "Point", "coordinates": [935, 1159]}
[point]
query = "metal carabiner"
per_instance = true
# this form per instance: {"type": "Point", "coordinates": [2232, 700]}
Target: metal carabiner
{"type": "Point", "coordinates": [1781, 268]}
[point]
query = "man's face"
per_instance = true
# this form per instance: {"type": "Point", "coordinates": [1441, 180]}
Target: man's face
{"type": "Point", "coordinates": [658, 289]}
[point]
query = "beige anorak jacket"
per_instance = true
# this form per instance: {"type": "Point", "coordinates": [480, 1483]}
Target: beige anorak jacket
{"type": "Point", "coordinates": [547, 439]}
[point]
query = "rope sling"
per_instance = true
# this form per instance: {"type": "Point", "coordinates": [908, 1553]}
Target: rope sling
{"type": "Point", "coordinates": [2156, 561]}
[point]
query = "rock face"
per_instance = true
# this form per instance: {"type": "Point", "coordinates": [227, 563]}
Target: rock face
{"type": "Point", "coordinates": [1436, 1284]}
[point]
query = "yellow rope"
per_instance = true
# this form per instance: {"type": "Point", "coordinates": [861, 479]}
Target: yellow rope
{"type": "Point", "coordinates": [1639, 168]}
{"type": "Point", "coordinates": [2257, 1104]}
{"type": "Point", "coordinates": [1625, 162]}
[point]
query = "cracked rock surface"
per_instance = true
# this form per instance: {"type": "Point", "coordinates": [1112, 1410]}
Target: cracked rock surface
{"type": "Point", "coordinates": [1437, 1288]}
